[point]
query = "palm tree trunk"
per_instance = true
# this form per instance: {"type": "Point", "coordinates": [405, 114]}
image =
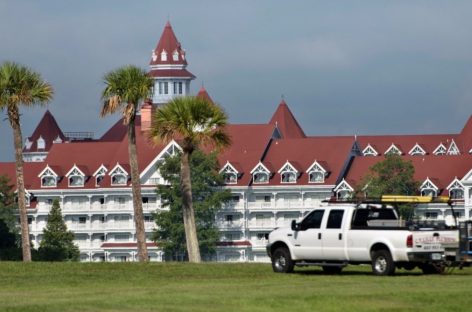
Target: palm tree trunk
{"type": "Point", "coordinates": [14, 117]}
{"type": "Point", "coordinates": [188, 214]}
{"type": "Point", "coordinates": [136, 189]}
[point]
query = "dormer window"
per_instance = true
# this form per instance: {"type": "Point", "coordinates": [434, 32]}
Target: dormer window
{"type": "Point", "coordinates": [316, 173]}
{"type": "Point", "coordinates": [118, 176]}
{"type": "Point", "coordinates": [100, 175]}
{"type": "Point", "coordinates": [440, 150]}
{"type": "Point", "coordinates": [369, 151]}
{"type": "Point", "coordinates": [178, 87]}
{"type": "Point", "coordinates": [163, 55]}
{"type": "Point", "coordinates": [429, 189]}
{"type": "Point", "coordinates": [288, 173]}
{"type": "Point", "coordinates": [453, 149]}
{"type": "Point", "coordinates": [48, 177]}
{"type": "Point", "coordinates": [260, 174]}
{"type": "Point", "coordinates": [456, 190]}
{"type": "Point", "coordinates": [41, 143]}
{"type": "Point", "coordinates": [343, 190]}
{"type": "Point", "coordinates": [175, 56]}
{"type": "Point", "coordinates": [230, 174]}
{"type": "Point", "coordinates": [57, 140]}
{"type": "Point", "coordinates": [393, 150]}
{"type": "Point", "coordinates": [76, 177]}
{"type": "Point", "coordinates": [28, 143]}
{"type": "Point", "coordinates": [417, 150]}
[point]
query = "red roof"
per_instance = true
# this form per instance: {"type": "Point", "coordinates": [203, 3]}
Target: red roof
{"type": "Point", "coordinates": [174, 73]}
{"type": "Point", "coordinates": [442, 170]}
{"type": "Point", "coordinates": [248, 144]}
{"type": "Point", "coordinates": [284, 120]}
{"type": "Point", "coordinates": [48, 130]}
{"type": "Point", "coordinates": [168, 43]}
{"type": "Point", "coordinates": [203, 94]}
{"type": "Point", "coordinates": [331, 153]}
{"type": "Point", "coordinates": [429, 142]}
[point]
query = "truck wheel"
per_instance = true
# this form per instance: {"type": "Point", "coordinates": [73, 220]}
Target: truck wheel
{"type": "Point", "coordinates": [382, 262]}
{"type": "Point", "coordinates": [281, 261]}
{"type": "Point", "coordinates": [332, 269]}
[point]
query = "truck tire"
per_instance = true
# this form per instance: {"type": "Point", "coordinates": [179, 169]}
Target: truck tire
{"type": "Point", "coordinates": [332, 269]}
{"type": "Point", "coordinates": [281, 261]}
{"type": "Point", "coordinates": [382, 262]}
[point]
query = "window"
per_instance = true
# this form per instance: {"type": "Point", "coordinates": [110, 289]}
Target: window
{"type": "Point", "coordinates": [289, 177]}
{"type": "Point", "coordinates": [41, 143]}
{"type": "Point", "coordinates": [230, 175]}
{"type": "Point", "coordinates": [229, 218]}
{"type": "Point", "coordinates": [313, 220]}
{"type": "Point", "coordinates": [456, 193]}
{"type": "Point", "coordinates": [76, 180]}
{"type": "Point", "coordinates": [260, 174]}
{"type": "Point", "coordinates": [428, 189]}
{"type": "Point", "coordinates": [119, 179]}
{"type": "Point", "coordinates": [262, 236]}
{"type": "Point", "coordinates": [166, 87]}
{"type": "Point", "coordinates": [48, 181]}
{"type": "Point", "coordinates": [175, 56]}
{"type": "Point", "coordinates": [163, 56]}
{"type": "Point", "coordinates": [316, 177]}
{"type": "Point", "coordinates": [145, 200]}
{"type": "Point", "coordinates": [235, 198]}
{"type": "Point", "coordinates": [431, 215]}
{"type": "Point", "coordinates": [82, 220]}
{"type": "Point", "coordinates": [148, 219]}
{"type": "Point", "coordinates": [49, 201]}
{"type": "Point", "coordinates": [335, 219]}
{"type": "Point", "coordinates": [177, 87]}
{"type": "Point", "coordinates": [428, 192]}
{"type": "Point", "coordinates": [99, 179]}
{"type": "Point", "coordinates": [121, 237]}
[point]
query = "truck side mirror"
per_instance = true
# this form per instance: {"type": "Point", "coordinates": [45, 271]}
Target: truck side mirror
{"type": "Point", "coordinates": [295, 226]}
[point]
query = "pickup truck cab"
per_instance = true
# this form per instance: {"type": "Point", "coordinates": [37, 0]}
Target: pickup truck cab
{"type": "Point", "coordinates": [334, 236]}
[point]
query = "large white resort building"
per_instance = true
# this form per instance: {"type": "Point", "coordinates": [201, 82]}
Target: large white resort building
{"type": "Point", "coordinates": [275, 172]}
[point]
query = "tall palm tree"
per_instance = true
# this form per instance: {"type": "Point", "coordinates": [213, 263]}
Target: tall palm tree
{"type": "Point", "coordinates": [194, 121]}
{"type": "Point", "coordinates": [20, 86]}
{"type": "Point", "coordinates": [125, 88]}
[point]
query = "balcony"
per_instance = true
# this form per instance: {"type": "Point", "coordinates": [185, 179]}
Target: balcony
{"type": "Point", "coordinates": [229, 224]}
{"type": "Point", "coordinates": [260, 205]}
{"type": "Point", "coordinates": [233, 205]}
{"type": "Point", "coordinates": [119, 225]}
{"type": "Point", "coordinates": [267, 225]}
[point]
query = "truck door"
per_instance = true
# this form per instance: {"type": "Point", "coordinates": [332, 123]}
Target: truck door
{"type": "Point", "coordinates": [307, 241]}
{"type": "Point", "coordinates": [333, 240]}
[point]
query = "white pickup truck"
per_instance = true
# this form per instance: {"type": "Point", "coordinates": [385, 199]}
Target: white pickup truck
{"type": "Point", "coordinates": [333, 236]}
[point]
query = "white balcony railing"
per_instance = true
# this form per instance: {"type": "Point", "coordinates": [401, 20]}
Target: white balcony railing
{"type": "Point", "coordinates": [260, 205]}
{"type": "Point", "coordinates": [229, 224]}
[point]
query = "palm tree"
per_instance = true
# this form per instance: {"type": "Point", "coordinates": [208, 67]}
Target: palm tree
{"type": "Point", "coordinates": [19, 85]}
{"type": "Point", "coordinates": [125, 88]}
{"type": "Point", "coordinates": [194, 121]}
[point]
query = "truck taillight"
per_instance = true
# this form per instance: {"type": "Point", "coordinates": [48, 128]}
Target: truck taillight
{"type": "Point", "coordinates": [409, 241]}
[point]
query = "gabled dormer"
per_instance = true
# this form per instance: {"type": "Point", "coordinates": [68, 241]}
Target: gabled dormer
{"type": "Point", "coordinates": [417, 150]}
{"type": "Point", "coordinates": [28, 144]}
{"type": "Point", "coordinates": [317, 173]}
{"type": "Point", "coordinates": [150, 175]}
{"type": "Point", "coordinates": [230, 174]}
{"type": "Point", "coordinates": [393, 149]}
{"type": "Point", "coordinates": [428, 188]}
{"type": "Point", "coordinates": [119, 176]}
{"type": "Point", "coordinates": [288, 173]}
{"type": "Point", "coordinates": [343, 190]}
{"type": "Point", "coordinates": [99, 175]}
{"type": "Point", "coordinates": [57, 140]}
{"type": "Point", "coordinates": [41, 143]}
{"type": "Point", "coordinates": [75, 177]}
{"type": "Point", "coordinates": [456, 189]}
{"type": "Point", "coordinates": [48, 177]}
{"type": "Point", "coordinates": [440, 150]}
{"type": "Point", "coordinates": [453, 149]}
{"type": "Point", "coordinates": [369, 150]}
{"type": "Point", "coordinates": [260, 174]}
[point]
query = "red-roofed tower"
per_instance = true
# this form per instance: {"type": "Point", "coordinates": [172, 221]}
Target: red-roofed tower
{"type": "Point", "coordinates": [284, 120]}
{"type": "Point", "coordinates": [168, 68]}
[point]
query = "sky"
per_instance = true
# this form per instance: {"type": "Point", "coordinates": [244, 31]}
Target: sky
{"type": "Point", "coordinates": [343, 67]}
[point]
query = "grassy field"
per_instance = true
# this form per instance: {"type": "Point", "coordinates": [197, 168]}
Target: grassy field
{"type": "Point", "coordinates": [223, 287]}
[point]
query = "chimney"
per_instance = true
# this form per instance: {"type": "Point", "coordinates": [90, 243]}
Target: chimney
{"type": "Point", "coordinates": [147, 110]}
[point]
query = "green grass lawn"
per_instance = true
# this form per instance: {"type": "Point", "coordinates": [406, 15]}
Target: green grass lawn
{"type": "Point", "coordinates": [223, 287]}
